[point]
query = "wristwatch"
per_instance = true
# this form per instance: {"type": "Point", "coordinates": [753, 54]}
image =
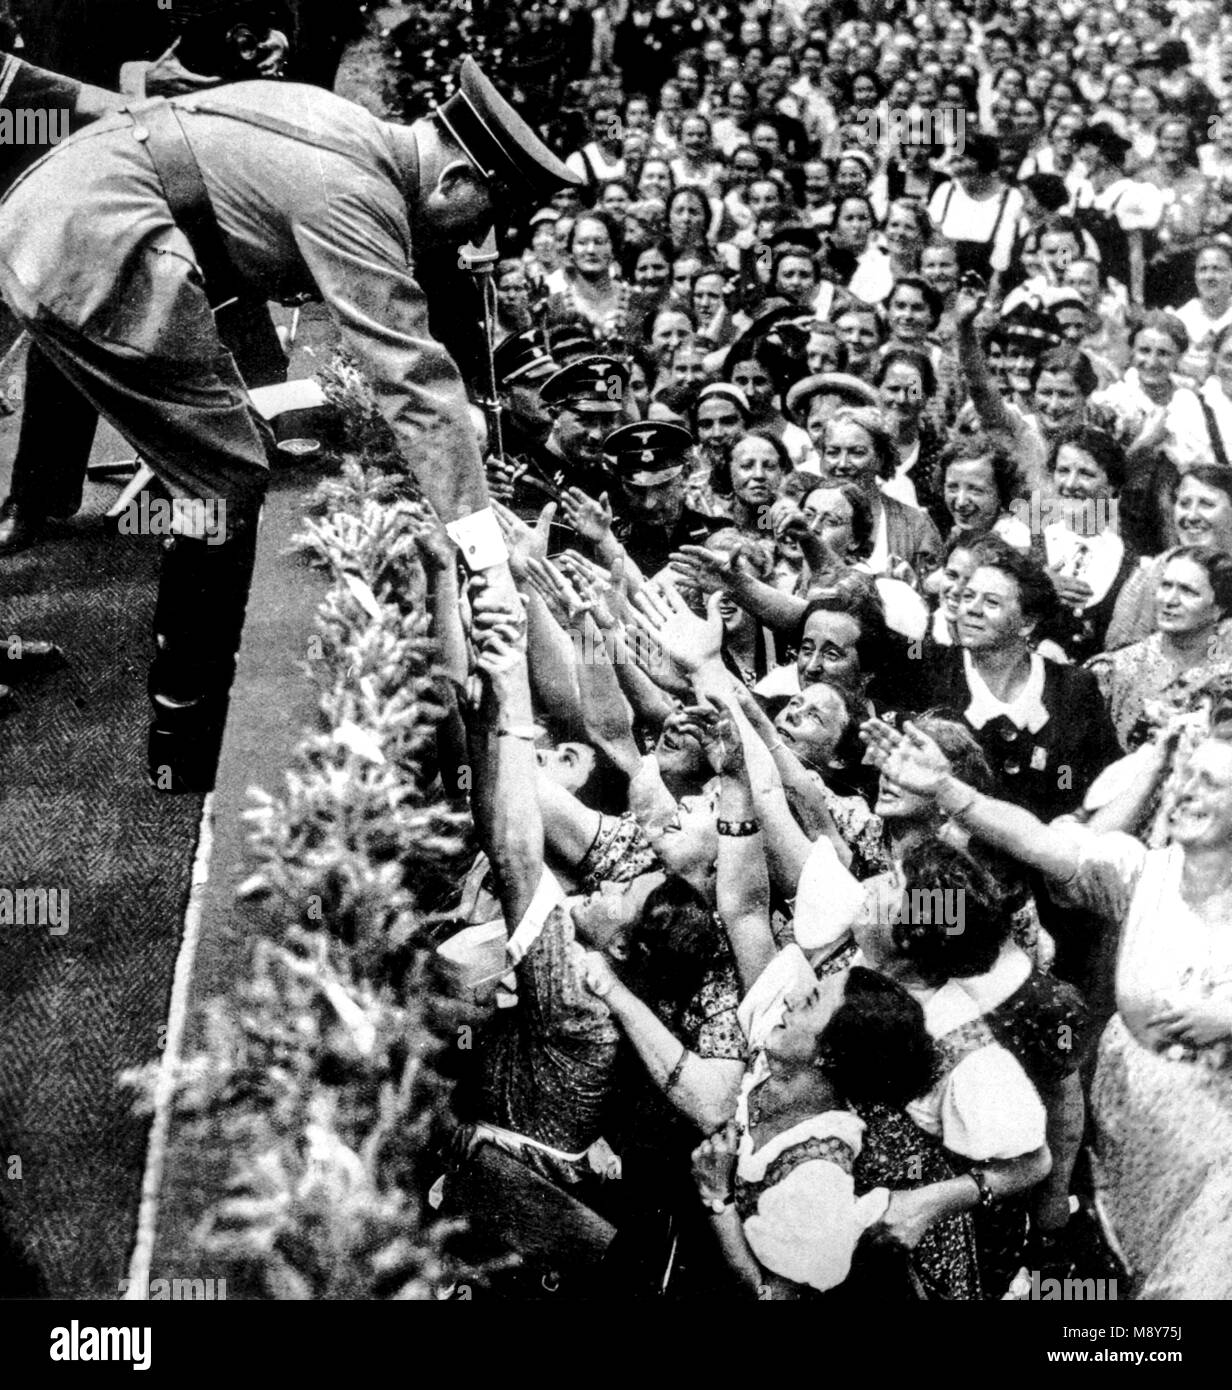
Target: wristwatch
{"type": "Point", "coordinates": [716, 1206]}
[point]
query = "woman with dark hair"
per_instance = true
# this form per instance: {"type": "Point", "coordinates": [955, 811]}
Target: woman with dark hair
{"type": "Point", "coordinates": [1188, 647]}
{"type": "Point", "coordinates": [853, 259]}
{"type": "Point", "coordinates": [757, 372]}
{"type": "Point", "coordinates": [752, 478]}
{"type": "Point", "coordinates": [975, 210]}
{"type": "Point", "coordinates": [906, 381]}
{"type": "Point", "coordinates": [652, 268]}
{"type": "Point", "coordinates": [1042, 725]}
{"type": "Point", "coordinates": [786, 1135]}
{"type": "Point", "coordinates": [1061, 381]}
{"type": "Point", "coordinates": [979, 481]}
{"type": "Point", "coordinates": [1087, 557]}
{"type": "Point", "coordinates": [688, 222]}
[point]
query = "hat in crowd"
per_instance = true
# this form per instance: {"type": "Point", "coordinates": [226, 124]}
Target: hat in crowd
{"type": "Point", "coordinates": [850, 389]}
{"type": "Point", "coordinates": [499, 143]}
{"type": "Point", "coordinates": [523, 357]}
{"type": "Point", "coordinates": [544, 215]}
{"type": "Point", "coordinates": [1029, 323]}
{"type": "Point", "coordinates": [861, 157]}
{"type": "Point", "coordinates": [1063, 297]}
{"type": "Point", "coordinates": [569, 341]}
{"type": "Point", "coordinates": [806, 238]}
{"type": "Point", "coordinates": [1049, 191]}
{"type": "Point", "coordinates": [1101, 136]}
{"type": "Point", "coordinates": [649, 452]}
{"type": "Point", "coordinates": [594, 380]}
{"type": "Point", "coordinates": [728, 392]}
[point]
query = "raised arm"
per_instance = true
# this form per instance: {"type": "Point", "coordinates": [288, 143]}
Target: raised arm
{"type": "Point", "coordinates": [743, 884]}
{"type": "Point", "coordinates": [703, 1088]}
{"type": "Point", "coordinates": [715, 569]}
{"type": "Point", "coordinates": [974, 365]}
{"type": "Point", "coordinates": [915, 762]}
{"type": "Point", "coordinates": [502, 754]}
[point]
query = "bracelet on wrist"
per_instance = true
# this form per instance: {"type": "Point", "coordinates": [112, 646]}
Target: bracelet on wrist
{"type": "Point", "coordinates": [738, 829]}
{"type": "Point", "coordinates": [956, 800]}
{"type": "Point", "coordinates": [980, 1178]}
{"type": "Point", "coordinates": [716, 1206]}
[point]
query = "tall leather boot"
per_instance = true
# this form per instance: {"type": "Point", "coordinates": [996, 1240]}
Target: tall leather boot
{"type": "Point", "coordinates": [198, 621]}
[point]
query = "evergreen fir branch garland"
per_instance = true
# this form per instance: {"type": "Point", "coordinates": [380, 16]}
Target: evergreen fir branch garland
{"type": "Point", "coordinates": [318, 1075]}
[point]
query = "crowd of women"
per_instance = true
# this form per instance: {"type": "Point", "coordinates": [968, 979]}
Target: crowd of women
{"type": "Point", "coordinates": [853, 779]}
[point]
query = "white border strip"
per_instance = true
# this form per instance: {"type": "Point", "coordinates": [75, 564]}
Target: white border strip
{"type": "Point", "coordinates": [164, 1086]}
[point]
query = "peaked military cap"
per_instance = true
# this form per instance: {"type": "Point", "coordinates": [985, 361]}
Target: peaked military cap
{"type": "Point", "coordinates": [569, 341]}
{"type": "Point", "coordinates": [648, 453]}
{"type": "Point", "coordinates": [1029, 322]}
{"type": "Point", "coordinates": [499, 143]}
{"type": "Point", "coordinates": [597, 379]}
{"type": "Point", "coordinates": [523, 357]}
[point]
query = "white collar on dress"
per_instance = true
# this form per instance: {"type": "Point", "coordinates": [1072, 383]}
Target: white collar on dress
{"type": "Point", "coordinates": [1026, 710]}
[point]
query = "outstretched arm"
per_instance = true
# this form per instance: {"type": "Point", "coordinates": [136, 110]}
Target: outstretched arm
{"type": "Point", "coordinates": [704, 1089]}
{"type": "Point", "coordinates": [502, 754]}
{"type": "Point", "coordinates": [984, 393]}
{"type": "Point", "coordinates": [915, 762]}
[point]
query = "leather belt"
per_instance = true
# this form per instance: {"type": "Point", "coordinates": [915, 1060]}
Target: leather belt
{"type": "Point", "coordinates": [157, 125]}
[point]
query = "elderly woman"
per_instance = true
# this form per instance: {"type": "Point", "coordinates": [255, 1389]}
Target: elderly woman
{"type": "Point", "coordinates": [1201, 516]}
{"type": "Point", "coordinates": [1162, 1095]}
{"type": "Point", "coordinates": [857, 446]}
{"type": "Point", "coordinates": [1187, 648]}
{"type": "Point", "coordinates": [1150, 402]}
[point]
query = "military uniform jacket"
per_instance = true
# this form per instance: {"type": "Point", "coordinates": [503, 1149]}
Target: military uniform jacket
{"type": "Point", "coordinates": [310, 192]}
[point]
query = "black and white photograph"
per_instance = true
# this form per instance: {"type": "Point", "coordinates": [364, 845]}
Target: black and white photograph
{"type": "Point", "coordinates": [615, 664]}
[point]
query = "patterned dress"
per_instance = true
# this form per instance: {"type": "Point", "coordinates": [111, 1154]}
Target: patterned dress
{"type": "Point", "coordinates": [1163, 1111]}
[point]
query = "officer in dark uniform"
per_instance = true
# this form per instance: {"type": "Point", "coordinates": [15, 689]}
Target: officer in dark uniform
{"type": "Point", "coordinates": [652, 520]}
{"type": "Point", "coordinates": [585, 402]}
{"type": "Point", "coordinates": [523, 363]}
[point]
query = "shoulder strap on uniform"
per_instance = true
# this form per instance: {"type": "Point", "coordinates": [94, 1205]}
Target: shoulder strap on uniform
{"type": "Point", "coordinates": [157, 126]}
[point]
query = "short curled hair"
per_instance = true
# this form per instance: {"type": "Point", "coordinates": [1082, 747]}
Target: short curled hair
{"type": "Point", "coordinates": [910, 357]}
{"type": "Point", "coordinates": [1036, 596]}
{"type": "Point", "coordinates": [1099, 445]}
{"type": "Point", "coordinates": [876, 1047]}
{"type": "Point", "coordinates": [967, 448]}
{"type": "Point", "coordinates": [1071, 361]}
{"type": "Point", "coordinates": [1217, 566]}
{"type": "Point", "coordinates": [932, 299]}
{"type": "Point", "coordinates": [864, 606]}
{"type": "Point", "coordinates": [944, 945]}
{"type": "Point", "coordinates": [873, 423]}
{"type": "Point", "coordinates": [861, 514]}
{"type": "Point", "coordinates": [1160, 321]}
